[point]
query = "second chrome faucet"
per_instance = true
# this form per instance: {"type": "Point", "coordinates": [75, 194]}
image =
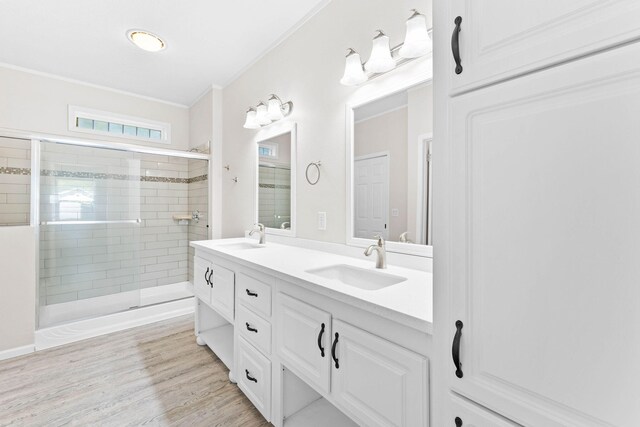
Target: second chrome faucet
{"type": "Point", "coordinates": [259, 228]}
{"type": "Point", "coordinates": [379, 247]}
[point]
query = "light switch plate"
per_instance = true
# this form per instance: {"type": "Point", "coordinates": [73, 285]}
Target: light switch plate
{"type": "Point", "coordinates": [395, 212]}
{"type": "Point", "coordinates": [322, 220]}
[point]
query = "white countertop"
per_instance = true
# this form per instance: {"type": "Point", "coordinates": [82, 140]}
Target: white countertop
{"type": "Point", "coordinates": [409, 302]}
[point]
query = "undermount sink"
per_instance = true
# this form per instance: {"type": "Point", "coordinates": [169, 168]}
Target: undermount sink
{"type": "Point", "coordinates": [241, 246]}
{"type": "Point", "coordinates": [369, 280]}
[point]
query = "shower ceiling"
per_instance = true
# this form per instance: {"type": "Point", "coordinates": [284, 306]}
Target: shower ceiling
{"type": "Point", "coordinates": [208, 42]}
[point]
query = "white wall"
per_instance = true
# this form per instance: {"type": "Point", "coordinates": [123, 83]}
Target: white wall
{"type": "Point", "coordinates": [17, 287]}
{"type": "Point", "coordinates": [37, 103]}
{"type": "Point", "coordinates": [306, 69]}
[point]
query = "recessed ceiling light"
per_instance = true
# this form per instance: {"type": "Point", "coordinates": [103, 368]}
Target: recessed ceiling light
{"type": "Point", "coordinates": [146, 40]}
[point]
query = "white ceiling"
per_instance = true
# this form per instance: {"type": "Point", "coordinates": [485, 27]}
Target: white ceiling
{"type": "Point", "coordinates": [209, 42]}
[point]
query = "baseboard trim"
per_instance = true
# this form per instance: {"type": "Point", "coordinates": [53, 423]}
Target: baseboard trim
{"type": "Point", "coordinates": [17, 351]}
{"type": "Point", "coordinates": [77, 331]}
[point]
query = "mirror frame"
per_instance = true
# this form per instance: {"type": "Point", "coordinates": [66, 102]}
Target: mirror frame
{"type": "Point", "coordinates": [263, 135]}
{"type": "Point", "coordinates": [406, 77]}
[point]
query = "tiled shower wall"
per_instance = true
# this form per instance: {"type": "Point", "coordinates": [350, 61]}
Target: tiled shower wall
{"type": "Point", "coordinates": [15, 168]}
{"type": "Point", "coordinates": [274, 196]}
{"type": "Point", "coordinates": [90, 260]}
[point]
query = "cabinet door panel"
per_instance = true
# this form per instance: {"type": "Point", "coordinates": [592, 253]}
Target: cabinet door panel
{"type": "Point", "coordinates": [504, 38]}
{"type": "Point", "coordinates": [379, 383]}
{"type": "Point", "coordinates": [545, 243]}
{"type": "Point", "coordinates": [223, 291]}
{"type": "Point", "coordinates": [201, 272]}
{"type": "Point", "coordinates": [298, 327]}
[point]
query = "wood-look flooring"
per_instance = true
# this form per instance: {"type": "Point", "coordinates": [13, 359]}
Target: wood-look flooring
{"type": "Point", "coordinates": [153, 375]}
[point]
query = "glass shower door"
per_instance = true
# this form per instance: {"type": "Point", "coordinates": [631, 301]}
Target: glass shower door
{"type": "Point", "coordinates": [90, 232]}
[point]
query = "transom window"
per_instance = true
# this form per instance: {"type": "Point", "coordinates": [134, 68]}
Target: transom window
{"type": "Point", "coordinates": [104, 123]}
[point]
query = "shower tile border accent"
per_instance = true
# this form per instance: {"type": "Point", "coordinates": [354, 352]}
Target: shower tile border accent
{"type": "Point", "coordinates": [93, 175]}
{"type": "Point", "coordinates": [279, 186]}
{"type": "Point", "coordinates": [15, 171]}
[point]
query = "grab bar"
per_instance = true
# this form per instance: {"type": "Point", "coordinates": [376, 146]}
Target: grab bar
{"type": "Point", "coordinates": [122, 221]}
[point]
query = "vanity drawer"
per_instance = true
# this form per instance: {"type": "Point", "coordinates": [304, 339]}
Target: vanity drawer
{"type": "Point", "coordinates": [255, 294]}
{"type": "Point", "coordinates": [254, 329]}
{"type": "Point", "coordinates": [254, 377]}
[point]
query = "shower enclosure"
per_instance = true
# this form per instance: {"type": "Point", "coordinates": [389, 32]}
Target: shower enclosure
{"type": "Point", "coordinates": [115, 226]}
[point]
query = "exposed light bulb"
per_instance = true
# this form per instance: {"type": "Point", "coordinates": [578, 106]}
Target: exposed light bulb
{"type": "Point", "coordinates": [417, 41]}
{"type": "Point", "coordinates": [380, 60]}
{"type": "Point", "coordinates": [353, 72]}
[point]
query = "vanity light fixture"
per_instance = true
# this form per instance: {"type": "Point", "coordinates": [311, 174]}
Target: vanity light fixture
{"type": "Point", "coordinates": [383, 59]}
{"type": "Point", "coordinates": [146, 40]}
{"type": "Point", "coordinates": [265, 114]}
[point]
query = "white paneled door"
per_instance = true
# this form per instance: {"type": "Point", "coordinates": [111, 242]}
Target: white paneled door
{"type": "Point", "coordinates": [503, 38]}
{"type": "Point", "coordinates": [371, 201]}
{"type": "Point", "coordinates": [545, 247]}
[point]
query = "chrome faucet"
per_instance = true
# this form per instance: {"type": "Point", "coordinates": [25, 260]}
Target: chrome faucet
{"type": "Point", "coordinates": [259, 228]}
{"type": "Point", "coordinates": [381, 261]}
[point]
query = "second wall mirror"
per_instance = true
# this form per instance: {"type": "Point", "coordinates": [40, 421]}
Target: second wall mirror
{"type": "Point", "coordinates": [389, 166]}
{"type": "Point", "coordinates": [275, 179]}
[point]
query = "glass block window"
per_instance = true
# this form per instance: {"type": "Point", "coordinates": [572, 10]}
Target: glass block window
{"type": "Point", "coordinates": [100, 122]}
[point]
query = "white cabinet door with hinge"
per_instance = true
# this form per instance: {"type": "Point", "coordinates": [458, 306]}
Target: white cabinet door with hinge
{"type": "Point", "coordinates": [202, 272]}
{"type": "Point", "coordinates": [500, 39]}
{"type": "Point", "coordinates": [377, 382]}
{"type": "Point", "coordinates": [223, 291]}
{"type": "Point", "coordinates": [463, 413]}
{"type": "Point", "coordinates": [545, 244]}
{"type": "Point", "coordinates": [303, 339]}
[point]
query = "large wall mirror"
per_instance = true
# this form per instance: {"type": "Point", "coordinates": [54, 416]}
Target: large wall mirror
{"type": "Point", "coordinates": [275, 183]}
{"type": "Point", "coordinates": [389, 165]}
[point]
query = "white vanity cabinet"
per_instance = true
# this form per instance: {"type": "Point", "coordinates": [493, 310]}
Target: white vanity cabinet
{"type": "Point", "coordinates": [500, 39]}
{"type": "Point", "coordinates": [376, 382]}
{"type": "Point", "coordinates": [304, 356]}
{"type": "Point", "coordinates": [254, 337]}
{"type": "Point", "coordinates": [304, 340]}
{"type": "Point", "coordinates": [215, 286]}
